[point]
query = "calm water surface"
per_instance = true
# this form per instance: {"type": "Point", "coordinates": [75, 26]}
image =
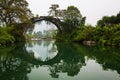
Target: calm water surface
{"type": "Point", "coordinates": [48, 60]}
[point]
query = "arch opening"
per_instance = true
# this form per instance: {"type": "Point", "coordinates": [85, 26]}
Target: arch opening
{"type": "Point", "coordinates": [42, 30]}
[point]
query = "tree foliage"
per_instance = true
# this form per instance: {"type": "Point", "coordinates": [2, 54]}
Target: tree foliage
{"type": "Point", "coordinates": [54, 10]}
{"type": "Point", "coordinates": [86, 33]}
{"type": "Point", "coordinates": [71, 19]}
{"type": "Point", "coordinates": [5, 36]}
{"type": "Point", "coordinates": [108, 30]}
{"type": "Point", "coordinates": [14, 11]}
{"type": "Point", "coordinates": [109, 20]}
{"type": "Point", "coordinates": [15, 16]}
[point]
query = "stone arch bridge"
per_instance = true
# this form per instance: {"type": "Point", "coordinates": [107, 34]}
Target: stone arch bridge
{"type": "Point", "coordinates": [51, 19]}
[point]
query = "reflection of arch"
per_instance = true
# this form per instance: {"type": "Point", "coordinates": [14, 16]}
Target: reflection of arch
{"type": "Point", "coordinates": [55, 21]}
{"type": "Point", "coordinates": [52, 61]}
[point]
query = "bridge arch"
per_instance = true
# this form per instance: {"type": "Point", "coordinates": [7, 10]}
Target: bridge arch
{"type": "Point", "coordinates": [55, 21]}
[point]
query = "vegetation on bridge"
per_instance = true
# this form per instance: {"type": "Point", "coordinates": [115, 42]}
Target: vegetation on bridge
{"type": "Point", "coordinates": [71, 20]}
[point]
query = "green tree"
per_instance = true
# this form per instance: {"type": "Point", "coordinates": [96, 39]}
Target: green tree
{"type": "Point", "coordinates": [72, 18]}
{"type": "Point", "coordinates": [109, 20]}
{"type": "Point", "coordinates": [38, 34]}
{"type": "Point", "coordinates": [107, 30]}
{"type": "Point", "coordinates": [86, 33]}
{"type": "Point", "coordinates": [54, 10]}
{"type": "Point", "coordinates": [5, 36]}
{"type": "Point", "coordinates": [14, 11]}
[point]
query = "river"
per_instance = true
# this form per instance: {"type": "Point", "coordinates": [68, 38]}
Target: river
{"type": "Point", "coordinates": [50, 60]}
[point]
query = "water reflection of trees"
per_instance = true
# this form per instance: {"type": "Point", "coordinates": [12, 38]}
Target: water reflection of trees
{"type": "Point", "coordinates": [32, 43]}
{"type": "Point", "coordinates": [73, 58]}
{"type": "Point", "coordinates": [70, 61]}
{"type": "Point", "coordinates": [14, 63]}
{"type": "Point", "coordinates": [107, 57]}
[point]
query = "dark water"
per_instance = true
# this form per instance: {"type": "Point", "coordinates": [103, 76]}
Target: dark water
{"type": "Point", "coordinates": [47, 60]}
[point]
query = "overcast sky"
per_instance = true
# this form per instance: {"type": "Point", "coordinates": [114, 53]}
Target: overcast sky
{"type": "Point", "coordinates": [92, 9]}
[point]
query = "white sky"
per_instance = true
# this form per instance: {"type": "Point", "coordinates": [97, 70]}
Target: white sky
{"type": "Point", "coordinates": [43, 26]}
{"type": "Point", "coordinates": [92, 9]}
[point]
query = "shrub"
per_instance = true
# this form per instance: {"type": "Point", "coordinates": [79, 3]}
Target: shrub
{"type": "Point", "coordinates": [5, 37]}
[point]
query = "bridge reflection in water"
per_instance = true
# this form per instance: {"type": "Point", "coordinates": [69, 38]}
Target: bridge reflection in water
{"type": "Point", "coordinates": [61, 61]}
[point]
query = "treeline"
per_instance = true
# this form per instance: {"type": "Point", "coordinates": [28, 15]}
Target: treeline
{"type": "Point", "coordinates": [15, 21]}
{"type": "Point", "coordinates": [14, 18]}
{"type": "Point", "coordinates": [106, 32]}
